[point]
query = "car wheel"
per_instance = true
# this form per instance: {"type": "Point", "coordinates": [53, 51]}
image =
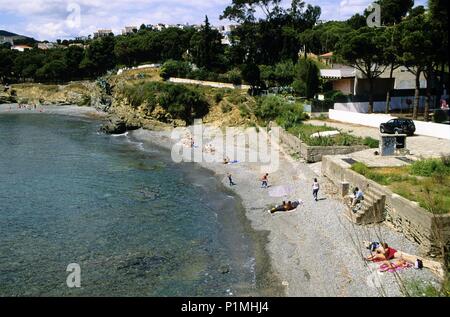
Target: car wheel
{"type": "Point", "coordinates": [397, 132]}
{"type": "Point", "coordinates": [382, 130]}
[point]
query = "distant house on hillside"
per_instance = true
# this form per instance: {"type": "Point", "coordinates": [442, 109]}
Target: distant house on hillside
{"type": "Point", "coordinates": [103, 33]}
{"type": "Point", "coordinates": [21, 48]}
{"type": "Point", "coordinates": [327, 59]}
{"type": "Point", "coordinates": [46, 46]}
{"type": "Point", "coordinates": [129, 30]}
{"type": "Point", "coordinates": [5, 40]}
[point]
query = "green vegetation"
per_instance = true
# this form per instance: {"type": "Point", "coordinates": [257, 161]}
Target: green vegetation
{"type": "Point", "coordinates": [178, 101]}
{"type": "Point", "coordinates": [425, 181]}
{"type": "Point", "coordinates": [304, 132]}
{"type": "Point", "coordinates": [418, 288]}
{"type": "Point", "coordinates": [264, 50]}
{"type": "Point", "coordinates": [276, 108]}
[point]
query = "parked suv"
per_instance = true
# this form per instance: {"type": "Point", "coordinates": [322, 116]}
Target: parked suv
{"type": "Point", "coordinates": [398, 126]}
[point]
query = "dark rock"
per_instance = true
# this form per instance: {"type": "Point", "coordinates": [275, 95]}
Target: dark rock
{"type": "Point", "coordinates": [117, 126]}
{"type": "Point", "coordinates": [224, 269]}
{"type": "Point", "coordinates": [114, 126]}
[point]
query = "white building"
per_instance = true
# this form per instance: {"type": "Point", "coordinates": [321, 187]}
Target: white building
{"type": "Point", "coordinates": [21, 48]}
{"type": "Point", "coordinates": [129, 30]}
{"type": "Point", "coordinates": [102, 33]}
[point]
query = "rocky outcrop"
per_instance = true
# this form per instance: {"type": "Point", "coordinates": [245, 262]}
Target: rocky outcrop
{"type": "Point", "coordinates": [117, 125]}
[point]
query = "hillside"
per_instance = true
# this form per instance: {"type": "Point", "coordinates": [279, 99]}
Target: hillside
{"type": "Point", "coordinates": [17, 37]}
{"type": "Point", "coordinates": [134, 99]}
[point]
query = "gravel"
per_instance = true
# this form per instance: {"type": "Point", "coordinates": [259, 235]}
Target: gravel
{"type": "Point", "coordinates": [315, 251]}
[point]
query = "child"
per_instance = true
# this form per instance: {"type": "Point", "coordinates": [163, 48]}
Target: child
{"type": "Point", "coordinates": [316, 188]}
{"type": "Point", "coordinates": [265, 181]}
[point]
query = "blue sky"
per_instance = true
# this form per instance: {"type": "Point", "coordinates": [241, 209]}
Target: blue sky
{"type": "Point", "coordinates": [52, 19]}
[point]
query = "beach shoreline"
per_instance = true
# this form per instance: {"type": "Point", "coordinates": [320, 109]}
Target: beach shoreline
{"type": "Point", "coordinates": [313, 251]}
{"type": "Point", "coordinates": [304, 255]}
{"type": "Point", "coordinates": [69, 110]}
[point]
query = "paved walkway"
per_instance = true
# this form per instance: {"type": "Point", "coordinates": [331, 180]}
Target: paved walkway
{"type": "Point", "coordinates": [421, 146]}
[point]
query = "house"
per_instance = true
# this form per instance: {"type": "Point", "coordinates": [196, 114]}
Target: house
{"type": "Point", "coordinates": [21, 48]}
{"type": "Point", "coordinates": [353, 83]}
{"type": "Point", "coordinates": [327, 59]}
{"type": "Point", "coordinates": [129, 30]}
{"type": "Point", "coordinates": [342, 79]}
{"type": "Point", "coordinates": [46, 46]}
{"type": "Point", "coordinates": [5, 40]}
{"type": "Point", "coordinates": [103, 33]}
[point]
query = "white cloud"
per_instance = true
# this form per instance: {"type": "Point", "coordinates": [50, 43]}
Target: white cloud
{"type": "Point", "coordinates": [48, 19]}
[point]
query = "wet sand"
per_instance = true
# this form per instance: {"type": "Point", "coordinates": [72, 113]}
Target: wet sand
{"type": "Point", "coordinates": [76, 111]}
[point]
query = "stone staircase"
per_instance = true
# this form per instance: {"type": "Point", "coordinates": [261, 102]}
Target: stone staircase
{"type": "Point", "coordinates": [372, 209]}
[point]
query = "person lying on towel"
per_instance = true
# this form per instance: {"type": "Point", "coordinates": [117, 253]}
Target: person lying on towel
{"type": "Point", "coordinates": [289, 206]}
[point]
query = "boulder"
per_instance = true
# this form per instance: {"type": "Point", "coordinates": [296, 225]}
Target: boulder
{"type": "Point", "coordinates": [117, 126]}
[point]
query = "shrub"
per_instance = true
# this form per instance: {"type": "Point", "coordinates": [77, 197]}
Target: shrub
{"type": "Point", "coordinates": [218, 97]}
{"type": "Point", "coordinates": [181, 102]}
{"type": "Point", "coordinates": [234, 76]}
{"type": "Point", "coordinates": [372, 143]}
{"type": "Point", "coordinates": [335, 96]}
{"type": "Point", "coordinates": [173, 68]}
{"type": "Point", "coordinates": [226, 107]}
{"type": "Point", "coordinates": [429, 167]}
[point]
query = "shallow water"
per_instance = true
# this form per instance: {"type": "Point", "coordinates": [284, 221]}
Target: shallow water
{"type": "Point", "coordinates": [135, 222]}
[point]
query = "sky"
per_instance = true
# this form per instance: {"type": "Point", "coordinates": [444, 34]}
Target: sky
{"type": "Point", "coordinates": [60, 19]}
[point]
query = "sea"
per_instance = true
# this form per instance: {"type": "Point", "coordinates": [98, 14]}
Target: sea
{"type": "Point", "coordinates": [88, 214]}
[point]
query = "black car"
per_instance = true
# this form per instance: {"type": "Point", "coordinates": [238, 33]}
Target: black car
{"type": "Point", "coordinates": [398, 126]}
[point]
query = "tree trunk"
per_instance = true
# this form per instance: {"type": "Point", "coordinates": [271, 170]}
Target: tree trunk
{"type": "Point", "coordinates": [416, 95]}
{"type": "Point", "coordinates": [370, 96]}
{"type": "Point", "coordinates": [388, 95]}
{"type": "Point", "coordinates": [428, 96]}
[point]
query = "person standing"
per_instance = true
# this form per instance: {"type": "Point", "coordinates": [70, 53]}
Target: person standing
{"type": "Point", "coordinates": [316, 188]}
{"type": "Point", "coordinates": [230, 178]}
{"type": "Point", "coordinates": [265, 181]}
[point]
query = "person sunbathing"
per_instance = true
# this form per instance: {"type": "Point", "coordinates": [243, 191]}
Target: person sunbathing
{"type": "Point", "coordinates": [384, 253]}
{"type": "Point", "coordinates": [289, 206]}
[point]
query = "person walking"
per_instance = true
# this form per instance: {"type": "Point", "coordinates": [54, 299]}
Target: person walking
{"type": "Point", "coordinates": [265, 181]}
{"type": "Point", "coordinates": [316, 188]}
{"type": "Point", "coordinates": [230, 178]}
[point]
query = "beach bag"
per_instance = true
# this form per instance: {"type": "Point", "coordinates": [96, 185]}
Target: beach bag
{"type": "Point", "coordinates": [419, 264]}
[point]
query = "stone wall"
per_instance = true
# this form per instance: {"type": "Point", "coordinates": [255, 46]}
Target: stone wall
{"type": "Point", "coordinates": [314, 154]}
{"type": "Point", "coordinates": [207, 83]}
{"type": "Point", "coordinates": [431, 232]}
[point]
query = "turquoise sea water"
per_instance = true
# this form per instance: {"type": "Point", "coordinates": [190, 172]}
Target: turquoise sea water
{"type": "Point", "coordinates": [136, 223]}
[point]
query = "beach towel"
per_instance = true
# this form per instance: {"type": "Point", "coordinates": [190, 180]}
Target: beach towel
{"type": "Point", "coordinates": [396, 267]}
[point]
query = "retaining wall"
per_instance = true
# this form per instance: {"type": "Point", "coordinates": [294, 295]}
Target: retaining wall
{"type": "Point", "coordinates": [314, 154]}
{"type": "Point", "coordinates": [207, 83]}
{"type": "Point", "coordinates": [431, 232]}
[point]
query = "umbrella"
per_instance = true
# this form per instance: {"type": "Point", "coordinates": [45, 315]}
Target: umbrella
{"type": "Point", "coordinates": [281, 191]}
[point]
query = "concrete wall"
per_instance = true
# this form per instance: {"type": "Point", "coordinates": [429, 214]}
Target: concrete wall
{"type": "Point", "coordinates": [207, 83]}
{"type": "Point", "coordinates": [314, 154]}
{"type": "Point", "coordinates": [436, 130]}
{"type": "Point", "coordinates": [431, 232]}
{"type": "Point", "coordinates": [397, 103]}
